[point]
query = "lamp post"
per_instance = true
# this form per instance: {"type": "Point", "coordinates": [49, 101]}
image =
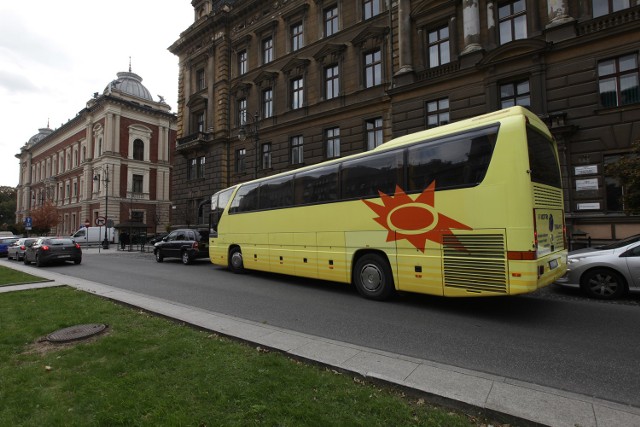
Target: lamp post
{"type": "Point", "coordinates": [242, 135]}
{"type": "Point", "coordinates": [96, 178]}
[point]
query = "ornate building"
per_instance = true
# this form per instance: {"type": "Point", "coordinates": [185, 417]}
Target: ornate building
{"type": "Point", "coordinates": [112, 160]}
{"type": "Point", "coordinates": [265, 87]}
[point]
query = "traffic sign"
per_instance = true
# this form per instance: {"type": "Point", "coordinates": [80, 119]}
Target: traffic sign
{"type": "Point", "coordinates": [28, 223]}
{"type": "Point", "coordinates": [100, 221]}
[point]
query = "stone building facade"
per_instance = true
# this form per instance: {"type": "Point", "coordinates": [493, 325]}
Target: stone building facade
{"type": "Point", "coordinates": [112, 160]}
{"type": "Point", "coordinates": [265, 87]}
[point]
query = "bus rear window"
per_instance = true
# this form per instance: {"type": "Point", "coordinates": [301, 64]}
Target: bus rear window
{"type": "Point", "coordinates": [543, 161]}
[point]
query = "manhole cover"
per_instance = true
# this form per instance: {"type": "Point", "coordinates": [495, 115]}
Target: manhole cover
{"type": "Point", "coordinates": [74, 333]}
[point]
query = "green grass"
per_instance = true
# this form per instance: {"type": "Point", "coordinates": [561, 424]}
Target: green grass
{"type": "Point", "coordinates": [9, 276]}
{"type": "Point", "coordinates": [147, 370]}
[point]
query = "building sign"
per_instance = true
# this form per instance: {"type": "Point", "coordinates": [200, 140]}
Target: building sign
{"type": "Point", "coordinates": [586, 170]}
{"type": "Point", "coordinates": [588, 206]}
{"type": "Point", "coordinates": [586, 184]}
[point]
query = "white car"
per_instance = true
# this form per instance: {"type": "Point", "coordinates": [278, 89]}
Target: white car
{"type": "Point", "coordinates": [605, 272]}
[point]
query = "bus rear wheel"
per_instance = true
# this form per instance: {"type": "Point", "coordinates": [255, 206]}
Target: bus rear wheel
{"type": "Point", "coordinates": [236, 265]}
{"type": "Point", "coordinates": [372, 277]}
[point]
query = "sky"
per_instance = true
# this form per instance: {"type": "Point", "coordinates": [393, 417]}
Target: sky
{"type": "Point", "coordinates": [55, 54]}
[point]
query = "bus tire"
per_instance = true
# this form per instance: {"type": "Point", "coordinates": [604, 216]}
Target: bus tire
{"type": "Point", "coordinates": [236, 264]}
{"type": "Point", "coordinates": [372, 277]}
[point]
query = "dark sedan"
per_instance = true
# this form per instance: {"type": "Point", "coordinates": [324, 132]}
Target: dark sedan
{"type": "Point", "coordinates": [47, 250]}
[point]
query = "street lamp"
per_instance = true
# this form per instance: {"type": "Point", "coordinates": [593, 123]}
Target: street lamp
{"type": "Point", "coordinates": [96, 178]}
{"type": "Point", "coordinates": [246, 131]}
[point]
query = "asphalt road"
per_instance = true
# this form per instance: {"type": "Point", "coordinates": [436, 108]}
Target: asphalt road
{"type": "Point", "coordinates": [553, 338]}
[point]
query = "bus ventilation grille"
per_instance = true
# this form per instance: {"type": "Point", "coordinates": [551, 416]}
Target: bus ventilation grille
{"type": "Point", "coordinates": [547, 197]}
{"type": "Point", "coordinates": [475, 263]}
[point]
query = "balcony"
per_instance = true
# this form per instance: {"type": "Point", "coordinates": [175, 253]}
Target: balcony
{"type": "Point", "coordinates": [193, 142]}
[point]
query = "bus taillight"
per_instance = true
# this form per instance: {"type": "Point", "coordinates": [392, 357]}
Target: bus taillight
{"type": "Point", "coordinates": [521, 255]}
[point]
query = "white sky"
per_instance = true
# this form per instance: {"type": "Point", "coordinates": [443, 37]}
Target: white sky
{"type": "Point", "coordinates": [55, 54]}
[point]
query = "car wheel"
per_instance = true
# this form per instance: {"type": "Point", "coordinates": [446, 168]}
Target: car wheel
{"type": "Point", "coordinates": [25, 260]}
{"type": "Point", "coordinates": [159, 257]}
{"type": "Point", "coordinates": [603, 283]}
{"type": "Point", "coordinates": [186, 259]}
{"type": "Point", "coordinates": [77, 261]}
{"type": "Point", "coordinates": [236, 265]}
{"type": "Point", "coordinates": [372, 277]}
{"type": "Point", "coordinates": [39, 262]}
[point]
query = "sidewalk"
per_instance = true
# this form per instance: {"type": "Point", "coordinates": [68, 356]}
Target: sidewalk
{"type": "Point", "coordinates": [520, 402]}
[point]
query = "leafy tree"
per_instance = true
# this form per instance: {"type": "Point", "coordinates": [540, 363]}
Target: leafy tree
{"type": "Point", "coordinates": [627, 171]}
{"type": "Point", "coordinates": [44, 218]}
{"type": "Point", "coordinates": [7, 207]}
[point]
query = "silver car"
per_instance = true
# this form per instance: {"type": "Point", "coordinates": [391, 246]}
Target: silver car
{"type": "Point", "coordinates": [605, 272]}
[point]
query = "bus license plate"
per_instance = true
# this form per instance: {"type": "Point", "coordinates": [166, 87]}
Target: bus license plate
{"type": "Point", "coordinates": [553, 264]}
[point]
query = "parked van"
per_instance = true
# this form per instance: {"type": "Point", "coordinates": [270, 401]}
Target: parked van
{"type": "Point", "coordinates": [94, 235]}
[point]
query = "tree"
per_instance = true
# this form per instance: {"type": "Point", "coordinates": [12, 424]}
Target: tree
{"type": "Point", "coordinates": [627, 171]}
{"type": "Point", "coordinates": [44, 218]}
{"type": "Point", "coordinates": [7, 207]}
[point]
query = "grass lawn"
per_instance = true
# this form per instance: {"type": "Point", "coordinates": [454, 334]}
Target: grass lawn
{"type": "Point", "coordinates": [9, 276]}
{"type": "Point", "coordinates": [147, 370]}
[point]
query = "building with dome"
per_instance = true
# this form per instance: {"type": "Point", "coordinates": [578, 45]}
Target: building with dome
{"type": "Point", "coordinates": [112, 161]}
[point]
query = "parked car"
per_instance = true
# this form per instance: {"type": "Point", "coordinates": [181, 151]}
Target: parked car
{"type": "Point", "coordinates": [17, 248]}
{"type": "Point", "coordinates": [186, 244]}
{"type": "Point", "coordinates": [5, 242]}
{"type": "Point", "coordinates": [155, 239]}
{"type": "Point", "coordinates": [605, 272]}
{"type": "Point", "coordinates": [47, 250]}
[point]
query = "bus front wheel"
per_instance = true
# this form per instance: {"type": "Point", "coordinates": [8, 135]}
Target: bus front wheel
{"type": "Point", "coordinates": [235, 260]}
{"type": "Point", "coordinates": [372, 277]}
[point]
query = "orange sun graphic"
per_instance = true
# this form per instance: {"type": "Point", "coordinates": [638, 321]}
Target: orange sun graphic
{"type": "Point", "coordinates": [414, 220]}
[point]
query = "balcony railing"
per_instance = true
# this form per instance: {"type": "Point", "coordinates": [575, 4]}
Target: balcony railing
{"type": "Point", "coordinates": [195, 140]}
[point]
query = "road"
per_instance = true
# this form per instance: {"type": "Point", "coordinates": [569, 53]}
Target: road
{"type": "Point", "coordinates": [552, 338]}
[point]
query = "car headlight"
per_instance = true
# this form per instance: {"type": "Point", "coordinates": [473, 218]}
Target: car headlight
{"type": "Point", "coordinates": [574, 260]}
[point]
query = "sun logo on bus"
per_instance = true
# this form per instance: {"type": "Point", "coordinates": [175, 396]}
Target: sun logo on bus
{"type": "Point", "coordinates": [414, 220]}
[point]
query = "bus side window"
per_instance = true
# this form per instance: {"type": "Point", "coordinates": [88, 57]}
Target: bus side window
{"type": "Point", "coordinates": [365, 177]}
{"type": "Point", "coordinates": [246, 199]}
{"type": "Point", "coordinates": [276, 193]}
{"type": "Point", "coordinates": [316, 186]}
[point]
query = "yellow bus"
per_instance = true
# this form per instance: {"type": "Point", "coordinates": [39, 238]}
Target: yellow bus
{"type": "Point", "coordinates": [472, 208]}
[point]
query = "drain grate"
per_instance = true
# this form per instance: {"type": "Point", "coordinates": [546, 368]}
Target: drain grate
{"type": "Point", "coordinates": [75, 333]}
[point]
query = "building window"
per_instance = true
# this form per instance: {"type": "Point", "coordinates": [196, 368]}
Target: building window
{"type": "Point", "coordinates": [331, 20]}
{"type": "Point", "coordinates": [618, 81]}
{"type": "Point", "coordinates": [604, 7]}
{"type": "Point", "coordinates": [242, 62]}
{"type": "Point", "coordinates": [297, 152]}
{"type": "Point", "coordinates": [331, 82]}
{"type": "Point", "coordinates": [137, 183]}
{"type": "Point", "coordinates": [200, 79]}
{"type": "Point", "coordinates": [370, 8]}
{"type": "Point", "coordinates": [512, 18]}
{"type": "Point", "coordinates": [439, 52]}
{"type": "Point", "coordinates": [191, 169]}
{"type": "Point", "coordinates": [373, 68]}
{"type": "Point", "coordinates": [374, 133]}
{"type": "Point", "coordinates": [332, 142]}
{"type": "Point", "coordinates": [297, 36]}
{"type": "Point", "coordinates": [199, 118]}
{"type": "Point", "coordinates": [267, 103]}
{"type": "Point", "coordinates": [614, 189]}
{"type": "Point", "coordinates": [242, 111]}
{"type": "Point", "coordinates": [437, 113]}
{"type": "Point", "coordinates": [266, 156]}
{"type": "Point", "coordinates": [267, 50]}
{"type": "Point", "coordinates": [297, 93]}
{"type": "Point", "coordinates": [137, 216]}
{"type": "Point", "coordinates": [516, 93]}
{"type": "Point", "coordinates": [241, 155]}
{"type": "Point", "coordinates": [201, 163]}
{"type": "Point", "coordinates": [138, 150]}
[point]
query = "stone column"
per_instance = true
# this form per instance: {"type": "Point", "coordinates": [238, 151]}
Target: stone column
{"type": "Point", "coordinates": [471, 24]}
{"type": "Point", "coordinates": [404, 36]}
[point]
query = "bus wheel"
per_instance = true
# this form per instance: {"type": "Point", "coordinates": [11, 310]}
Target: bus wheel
{"type": "Point", "coordinates": [372, 277]}
{"type": "Point", "coordinates": [235, 260]}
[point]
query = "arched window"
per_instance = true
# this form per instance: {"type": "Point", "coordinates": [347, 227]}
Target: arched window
{"type": "Point", "coordinates": [138, 149]}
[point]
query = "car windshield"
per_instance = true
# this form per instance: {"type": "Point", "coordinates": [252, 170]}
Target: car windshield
{"type": "Point", "coordinates": [60, 242]}
{"type": "Point", "coordinates": [620, 243]}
